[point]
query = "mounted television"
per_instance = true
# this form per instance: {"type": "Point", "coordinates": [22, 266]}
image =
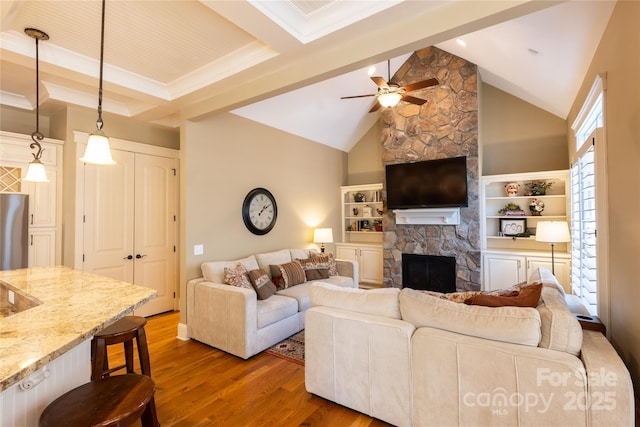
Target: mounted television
{"type": "Point", "coordinates": [427, 184]}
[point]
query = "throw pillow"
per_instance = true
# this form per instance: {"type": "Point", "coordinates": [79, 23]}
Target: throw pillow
{"type": "Point", "coordinates": [529, 296]}
{"type": "Point", "coordinates": [453, 296]}
{"type": "Point", "coordinates": [261, 283]}
{"type": "Point", "coordinates": [292, 274]}
{"type": "Point", "coordinates": [316, 273]}
{"type": "Point", "coordinates": [276, 277]}
{"type": "Point", "coordinates": [237, 276]}
{"type": "Point", "coordinates": [329, 259]}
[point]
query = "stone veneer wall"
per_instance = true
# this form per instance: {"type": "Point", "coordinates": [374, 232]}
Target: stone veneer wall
{"type": "Point", "coordinates": [446, 126]}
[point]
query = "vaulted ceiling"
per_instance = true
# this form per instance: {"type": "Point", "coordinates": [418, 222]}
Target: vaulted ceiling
{"type": "Point", "coordinates": [285, 63]}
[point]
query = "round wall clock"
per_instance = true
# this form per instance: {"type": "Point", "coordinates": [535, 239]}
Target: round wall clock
{"type": "Point", "coordinates": [259, 211]}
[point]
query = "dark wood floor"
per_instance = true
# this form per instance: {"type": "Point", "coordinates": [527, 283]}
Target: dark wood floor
{"type": "Point", "coordinates": [198, 385]}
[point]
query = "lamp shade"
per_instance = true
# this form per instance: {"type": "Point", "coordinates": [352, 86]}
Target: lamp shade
{"type": "Point", "coordinates": [390, 99]}
{"type": "Point", "coordinates": [323, 235]}
{"type": "Point", "coordinates": [36, 172]}
{"type": "Point", "coordinates": [553, 232]}
{"type": "Point", "coordinates": [98, 151]}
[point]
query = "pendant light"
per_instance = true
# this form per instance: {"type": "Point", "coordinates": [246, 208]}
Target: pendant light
{"type": "Point", "coordinates": [98, 151]}
{"type": "Point", "coordinates": [36, 171]}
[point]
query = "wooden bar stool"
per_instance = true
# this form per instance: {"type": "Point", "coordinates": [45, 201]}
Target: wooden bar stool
{"type": "Point", "coordinates": [113, 401]}
{"type": "Point", "coordinates": [124, 331]}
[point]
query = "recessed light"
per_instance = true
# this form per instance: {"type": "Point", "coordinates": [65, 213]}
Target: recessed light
{"type": "Point", "coordinates": [461, 42]}
{"type": "Point", "coordinates": [371, 70]}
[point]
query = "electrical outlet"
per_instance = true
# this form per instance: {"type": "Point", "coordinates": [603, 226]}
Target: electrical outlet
{"type": "Point", "coordinates": [12, 297]}
{"type": "Point", "coordinates": [198, 249]}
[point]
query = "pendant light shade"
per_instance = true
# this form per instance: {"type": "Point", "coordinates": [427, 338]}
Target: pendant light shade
{"type": "Point", "coordinates": [98, 151]}
{"type": "Point", "coordinates": [36, 171]}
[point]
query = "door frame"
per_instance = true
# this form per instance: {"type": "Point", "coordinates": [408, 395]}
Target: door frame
{"type": "Point", "coordinates": [80, 139]}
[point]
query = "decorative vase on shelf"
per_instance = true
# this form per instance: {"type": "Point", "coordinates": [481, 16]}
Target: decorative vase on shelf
{"type": "Point", "coordinates": [358, 197]}
{"type": "Point", "coordinates": [512, 189]}
{"type": "Point", "coordinates": [536, 207]}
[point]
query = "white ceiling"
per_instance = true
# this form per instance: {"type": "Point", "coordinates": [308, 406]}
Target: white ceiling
{"type": "Point", "coordinates": [285, 63]}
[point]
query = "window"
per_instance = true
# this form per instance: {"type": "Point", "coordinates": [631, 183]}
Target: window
{"type": "Point", "coordinates": [589, 269]}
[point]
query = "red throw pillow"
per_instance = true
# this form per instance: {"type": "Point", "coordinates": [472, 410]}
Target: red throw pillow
{"type": "Point", "coordinates": [529, 296]}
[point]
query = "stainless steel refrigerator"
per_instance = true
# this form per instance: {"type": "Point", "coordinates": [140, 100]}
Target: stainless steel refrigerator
{"type": "Point", "coordinates": [14, 216]}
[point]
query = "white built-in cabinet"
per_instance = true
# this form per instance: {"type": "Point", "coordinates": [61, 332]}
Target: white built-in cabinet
{"type": "Point", "coordinates": [129, 217]}
{"type": "Point", "coordinates": [45, 198]}
{"type": "Point", "coordinates": [361, 221]}
{"type": "Point", "coordinates": [369, 258]}
{"type": "Point", "coordinates": [507, 260]}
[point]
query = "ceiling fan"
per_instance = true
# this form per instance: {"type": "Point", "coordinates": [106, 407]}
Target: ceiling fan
{"type": "Point", "coordinates": [390, 93]}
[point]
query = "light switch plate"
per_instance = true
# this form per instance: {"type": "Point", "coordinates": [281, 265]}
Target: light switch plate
{"type": "Point", "coordinates": [198, 249]}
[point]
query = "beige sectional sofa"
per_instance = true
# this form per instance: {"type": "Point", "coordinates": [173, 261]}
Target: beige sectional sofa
{"type": "Point", "coordinates": [413, 359]}
{"type": "Point", "coordinates": [234, 320]}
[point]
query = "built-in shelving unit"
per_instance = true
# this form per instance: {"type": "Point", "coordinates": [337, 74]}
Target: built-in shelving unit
{"type": "Point", "coordinates": [361, 218]}
{"type": "Point", "coordinates": [508, 259]}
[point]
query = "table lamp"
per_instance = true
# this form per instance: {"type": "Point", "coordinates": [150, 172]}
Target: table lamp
{"type": "Point", "coordinates": [553, 232]}
{"type": "Point", "coordinates": [322, 236]}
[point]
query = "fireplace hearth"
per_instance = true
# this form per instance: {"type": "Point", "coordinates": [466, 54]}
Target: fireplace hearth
{"type": "Point", "coordinates": [429, 272]}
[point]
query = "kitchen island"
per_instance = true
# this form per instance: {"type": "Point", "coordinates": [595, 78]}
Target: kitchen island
{"type": "Point", "coordinates": [64, 309]}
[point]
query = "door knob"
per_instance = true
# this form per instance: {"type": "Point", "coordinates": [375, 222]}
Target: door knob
{"type": "Point", "coordinates": [138, 256]}
{"type": "Point", "coordinates": [128, 257]}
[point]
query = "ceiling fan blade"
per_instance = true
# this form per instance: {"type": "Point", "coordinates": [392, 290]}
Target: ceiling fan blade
{"type": "Point", "coordinates": [375, 107]}
{"type": "Point", "coordinates": [379, 81]}
{"type": "Point", "coordinates": [421, 85]}
{"type": "Point", "coordinates": [357, 96]}
{"type": "Point", "coordinates": [413, 99]}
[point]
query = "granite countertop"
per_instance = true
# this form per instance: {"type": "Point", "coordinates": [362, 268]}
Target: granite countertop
{"type": "Point", "coordinates": [73, 306]}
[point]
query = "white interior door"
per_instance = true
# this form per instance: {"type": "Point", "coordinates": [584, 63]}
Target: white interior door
{"type": "Point", "coordinates": [155, 231]}
{"type": "Point", "coordinates": [109, 217]}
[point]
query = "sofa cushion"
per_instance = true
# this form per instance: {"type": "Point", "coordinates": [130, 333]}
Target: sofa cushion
{"type": "Point", "coordinates": [299, 293]}
{"type": "Point", "coordinates": [528, 296]}
{"type": "Point", "coordinates": [518, 325]}
{"type": "Point", "coordinates": [274, 309]}
{"type": "Point", "coordinates": [273, 258]}
{"type": "Point", "coordinates": [299, 253]}
{"type": "Point", "coordinates": [261, 283]}
{"type": "Point", "coordinates": [377, 302]}
{"type": "Point", "coordinates": [560, 329]}
{"type": "Point", "coordinates": [213, 271]}
{"type": "Point", "coordinates": [237, 276]}
{"type": "Point", "coordinates": [342, 281]}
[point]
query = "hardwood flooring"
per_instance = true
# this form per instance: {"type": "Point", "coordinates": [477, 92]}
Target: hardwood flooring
{"type": "Point", "coordinates": [197, 385]}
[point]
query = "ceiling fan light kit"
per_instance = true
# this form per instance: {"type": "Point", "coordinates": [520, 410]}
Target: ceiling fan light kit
{"type": "Point", "coordinates": [98, 151]}
{"type": "Point", "coordinates": [36, 171]}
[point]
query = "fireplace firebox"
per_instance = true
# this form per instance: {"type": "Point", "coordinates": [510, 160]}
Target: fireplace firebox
{"type": "Point", "coordinates": [429, 272]}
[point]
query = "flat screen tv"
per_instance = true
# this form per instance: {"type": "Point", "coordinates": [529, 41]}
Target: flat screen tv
{"type": "Point", "coordinates": [427, 184]}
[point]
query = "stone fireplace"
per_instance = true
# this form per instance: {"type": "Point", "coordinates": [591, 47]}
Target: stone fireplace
{"type": "Point", "coordinates": [445, 126]}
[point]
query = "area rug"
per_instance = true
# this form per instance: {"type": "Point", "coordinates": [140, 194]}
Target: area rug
{"type": "Point", "coordinates": [291, 349]}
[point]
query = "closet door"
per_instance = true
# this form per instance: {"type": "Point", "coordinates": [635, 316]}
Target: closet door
{"type": "Point", "coordinates": [109, 217]}
{"type": "Point", "coordinates": [155, 230]}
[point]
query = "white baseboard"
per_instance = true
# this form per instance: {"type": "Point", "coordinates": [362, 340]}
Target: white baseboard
{"type": "Point", "coordinates": [182, 332]}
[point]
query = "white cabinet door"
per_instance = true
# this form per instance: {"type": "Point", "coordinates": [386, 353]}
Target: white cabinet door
{"type": "Point", "coordinates": [155, 231]}
{"type": "Point", "coordinates": [371, 265]}
{"type": "Point", "coordinates": [42, 247]}
{"type": "Point", "coordinates": [503, 271]}
{"type": "Point", "coordinates": [42, 200]}
{"type": "Point", "coordinates": [109, 216]}
{"type": "Point", "coordinates": [349, 253]}
{"type": "Point", "coordinates": [562, 269]}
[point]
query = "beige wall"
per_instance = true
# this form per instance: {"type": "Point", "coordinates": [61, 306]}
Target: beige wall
{"type": "Point", "coordinates": [518, 137]}
{"type": "Point", "coordinates": [618, 56]}
{"type": "Point", "coordinates": [223, 158]}
{"type": "Point", "coordinates": [365, 159]}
